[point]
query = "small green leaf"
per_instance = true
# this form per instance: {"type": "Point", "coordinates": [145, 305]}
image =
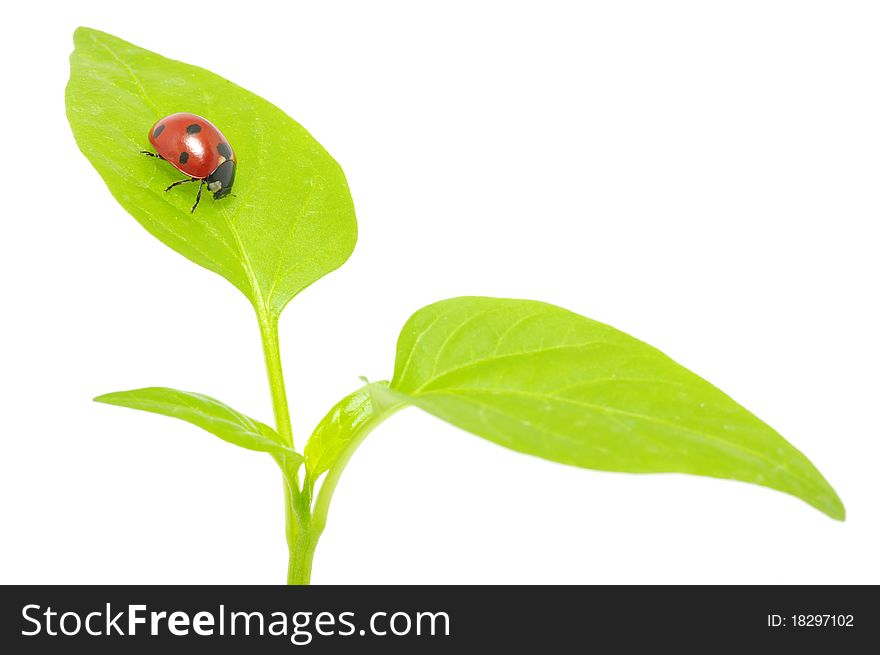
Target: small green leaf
{"type": "Point", "coordinates": [205, 412]}
{"type": "Point", "coordinates": [292, 220]}
{"type": "Point", "coordinates": [339, 434]}
{"type": "Point", "coordinates": [341, 430]}
{"type": "Point", "coordinates": [545, 381]}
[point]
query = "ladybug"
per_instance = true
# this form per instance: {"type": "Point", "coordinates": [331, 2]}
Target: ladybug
{"type": "Point", "coordinates": [195, 147]}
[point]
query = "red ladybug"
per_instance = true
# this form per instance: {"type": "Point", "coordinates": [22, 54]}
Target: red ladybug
{"type": "Point", "coordinates": [196, 148]}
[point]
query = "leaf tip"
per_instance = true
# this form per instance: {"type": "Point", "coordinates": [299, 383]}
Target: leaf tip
{"type": "Point", "coordinates": [828, 502]}
{"type": "Point", "coordinates": [83, 32]}
{"type": "Point", "coordinates": [835, 508]}
{"type": "Point", "coordinates": [83, 36]}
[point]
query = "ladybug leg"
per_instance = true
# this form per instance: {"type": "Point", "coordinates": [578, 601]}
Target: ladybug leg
{"type": "Point", "coordinates": [151, 154]}
{"type": "Point", "coordinates": [198, 196]}
{"type": "Point", "coordinates": [174, 184]}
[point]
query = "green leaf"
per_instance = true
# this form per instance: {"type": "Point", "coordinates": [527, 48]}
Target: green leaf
{"type": "Point", "coordinates": [292, 221]}
{"type": "Point", "coordinates": [344, 426]}
{"type": "Point", "coordinates": [205, 412]}
{"type": "Point", "coordinates": [338, 435]}
{"type": "Point", "coordinates": [544, 381]}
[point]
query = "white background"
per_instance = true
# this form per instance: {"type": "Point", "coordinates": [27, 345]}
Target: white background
{"type": "Point", "coordinates": [701, 175]}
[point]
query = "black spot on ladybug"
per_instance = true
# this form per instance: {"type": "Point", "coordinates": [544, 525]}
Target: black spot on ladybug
{"type": "Point", "coordinates": [184, 156]}
{"type": "Point", "coordinates": [224, 150]}
{"type": "Point", "coordinates": [195, 128]}
{"type": "Point", "coordinates": [158, 131]}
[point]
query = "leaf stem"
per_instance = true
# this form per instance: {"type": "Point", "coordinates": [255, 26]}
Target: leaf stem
{"type": "Point", "coordinates": [303, 523]}
{"type": "Point", "coordinates": [300, 542]}
{"type": "Point", "coordinates": [297, 511]}
{"type": "Point", "coordinates": [272, 354]}
{"type": "Point", "coordinates": [328, 486]}
{"type": "Point", "coordinates": [302, 552]}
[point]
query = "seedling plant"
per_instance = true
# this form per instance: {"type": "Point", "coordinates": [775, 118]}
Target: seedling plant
{"type": "Point", "coordinates": [524, 374]}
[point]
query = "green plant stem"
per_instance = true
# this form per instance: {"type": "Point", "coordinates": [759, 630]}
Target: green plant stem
{"type": "Point", "coordinates": [297, 510]}
{"type": "Point", "coordinates": [291, 521]}
{"type": "Point", "coordinates": [325, 493]}
{"type": "Point", "coordinates": [272, 354]}
{"type": "Point", "coordinates": [304, 539]}
{"type": "Point", "coordinates": [301, 542]}
{"type": "Point", "coordinates": [299, 568]}
{"type": "Point", "coordinates": [303, 524]}
{"type": "Point", "coordinates": [310, 525]}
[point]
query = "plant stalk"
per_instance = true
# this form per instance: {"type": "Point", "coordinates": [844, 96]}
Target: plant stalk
{"type": "Point", "coordinates": [303, 523]}
{"type": "Point", "coordinates": [299, 566]}
{"type": "Point", "coordinates": [301, 541]}
{"type": "Point", "coordinates": [272, 354]}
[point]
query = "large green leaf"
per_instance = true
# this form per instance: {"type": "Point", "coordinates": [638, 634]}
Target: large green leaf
{"type": "Point", "coordinates": [205, 412]}
{"type": "Point", "coordinates": [545, 381]}
{"type": "Point", "coordinates": [292, 221]}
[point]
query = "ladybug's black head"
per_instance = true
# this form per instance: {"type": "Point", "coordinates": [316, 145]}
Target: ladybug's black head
{"type": "Point", "coordinates": [220, 181]}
